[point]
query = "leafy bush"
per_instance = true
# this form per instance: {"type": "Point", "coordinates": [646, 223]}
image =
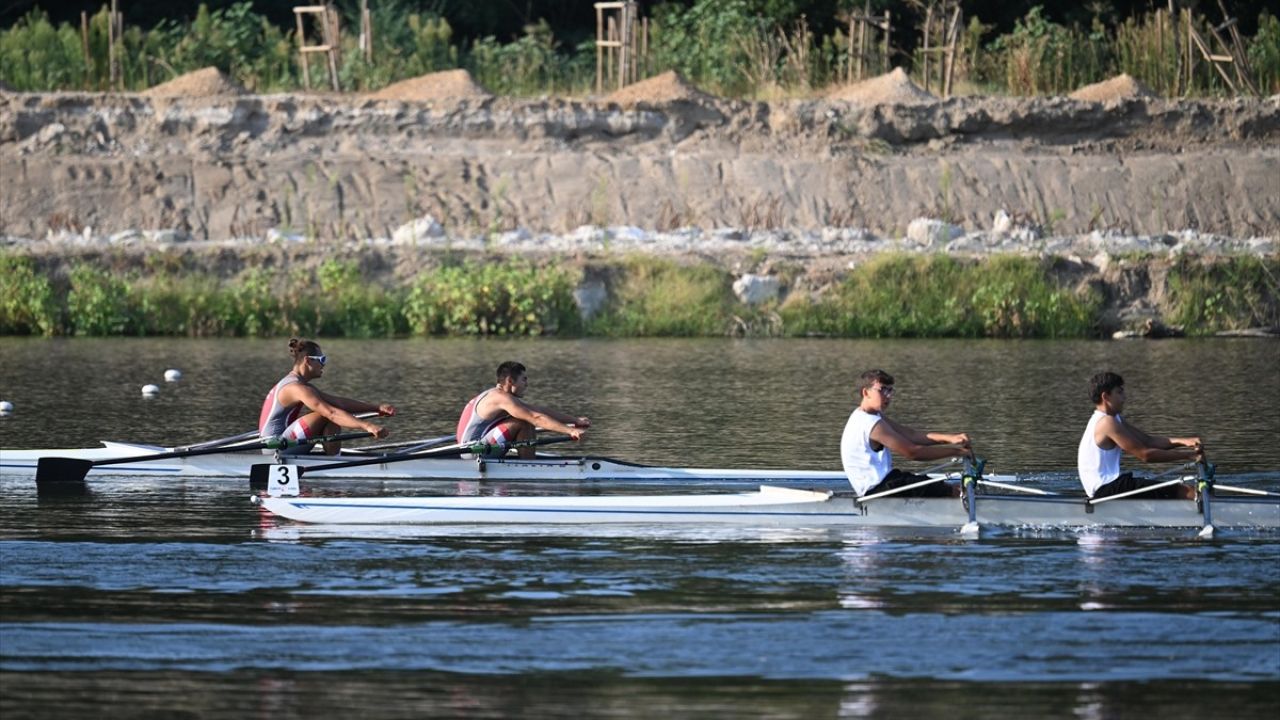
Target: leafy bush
{"type": "Point", "coordinates": [1206, 296]}
{"type": "Point", "coordinates": [98, 303]}
{"type": "Point", "coordinates": [504, 298]}
{"type": "Point", "coordinates": [939, 296]}
{"type": "Point", "coordinates": [658, 297]}
{"type": "Point", "coordinates": [27, 303]}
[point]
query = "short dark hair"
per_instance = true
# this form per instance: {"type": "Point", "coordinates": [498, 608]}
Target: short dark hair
{"type": "Point", "coordinates": [1103, 382]}
{"type": "Point", "coordinates": [869, 379]}
{"type": "Point", "coordinates": [510, 369]}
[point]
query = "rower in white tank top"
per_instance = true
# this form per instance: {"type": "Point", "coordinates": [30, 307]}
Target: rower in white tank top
{"type": "Point", "coordinates": [865, 466]}
{"type": "Point", "coordinates": [1096, 466]}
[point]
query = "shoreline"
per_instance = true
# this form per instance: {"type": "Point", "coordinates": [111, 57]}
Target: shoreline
{"type": "Point", "coordinates": [353, 290]}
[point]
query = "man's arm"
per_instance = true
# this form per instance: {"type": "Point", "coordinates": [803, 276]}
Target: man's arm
{"type": "Point", "coordinates": [1147, 448]}
{"type": "Point", "coordinates": [356, 406]}
{"type": "Point", "coordinates": [915, 445]}
{"type": "Point", "coordinates": [317, 402]}
{"type": "Point", "coordinates": [539, 417]}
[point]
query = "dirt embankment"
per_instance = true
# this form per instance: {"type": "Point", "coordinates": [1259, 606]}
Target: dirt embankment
{"type": "Point", "coordinates": [212, 163]}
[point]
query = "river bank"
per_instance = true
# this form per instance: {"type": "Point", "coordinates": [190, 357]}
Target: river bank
{"type": "Point", "coordinates": [357, 290]}
{"type": "Point", "coordinates": [661, 209]}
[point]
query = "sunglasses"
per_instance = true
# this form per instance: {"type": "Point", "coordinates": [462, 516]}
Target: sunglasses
{"type": "Point", "coordinates": [322, 359]}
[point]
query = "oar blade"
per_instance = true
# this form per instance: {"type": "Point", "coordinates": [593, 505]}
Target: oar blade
{"type": "Point", "coordinates": [54, 474]}
{"type": "Point", "coordinates": [259, 474]}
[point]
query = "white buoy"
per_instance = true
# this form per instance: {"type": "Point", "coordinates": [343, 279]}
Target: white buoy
{"type": "Point", "coordinates": [6, 408]}
{"type": "Point", "coordinates": [172, 375]}
{"type": "Point", "coordinates": [150, 391]}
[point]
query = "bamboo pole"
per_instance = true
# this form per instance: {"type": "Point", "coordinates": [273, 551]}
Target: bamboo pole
{"type": "Point", "coordinates": [928, 25]}
{"type": "Point", "coordinates": [111, 47]}
{"type": "Point", "coordinates": [302, 56]}
{"type": "Point", "coordinates": [84, 48]}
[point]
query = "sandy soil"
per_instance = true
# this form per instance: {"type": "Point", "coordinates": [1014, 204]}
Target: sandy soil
{"type": "Point", "coordinates": [200, 158]}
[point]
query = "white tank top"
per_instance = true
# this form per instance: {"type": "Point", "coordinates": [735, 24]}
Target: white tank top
{"type": "Point", "coordinates": [864, 466]}
{"type": "Point", "coordinates": [1097, 467]}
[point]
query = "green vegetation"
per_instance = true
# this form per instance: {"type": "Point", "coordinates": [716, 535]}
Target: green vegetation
{"type": "Point", "coordinates": [657, 297]}
{"type": "Point", "coordinates": [507, 298]}
{"type": "Point", "coordinates": [939, 296]}
{"type": "Point", "coordinates": [1230, 294]}
{"type": "Point", "coordinates": [27, 305]}
{"type": "Point", "coordinates": [735, 48]}
{"type": "Point", "coordinates": [889, 296]}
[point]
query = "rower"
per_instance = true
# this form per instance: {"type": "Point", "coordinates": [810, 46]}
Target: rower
{"type": "Point", "coordinates": [283, 416]}
{"type": "Point", "coordinates": [1108, 435]}
{"type": "Point", "coordinates": [499, 416]}
{"type": "Point", "coordinates": [870, 439]}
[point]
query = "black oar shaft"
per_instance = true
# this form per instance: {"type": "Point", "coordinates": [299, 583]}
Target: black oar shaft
{"type": "Point", "coordinates": [258, 474]}
{"type": "Point", "coordinates": [51, 471]}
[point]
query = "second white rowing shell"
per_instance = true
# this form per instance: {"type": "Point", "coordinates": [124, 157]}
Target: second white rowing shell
{"type": "Point", "coordinates": [771, 506]}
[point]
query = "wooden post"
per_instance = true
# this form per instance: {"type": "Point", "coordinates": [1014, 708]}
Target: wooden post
{"type": "Point", "coordinates": [84, 48]}
{"type": "Point", "coordinates": [111, 47]}
{"type": "Point", "coordinates": [302, 56]}
{"type": "Point", "coordinates": [599, 50]}
{"type": "Point", "coordinates": [949, 69]}
{"type": "Point", "coordinates": [332, 34]}
{"type": "Point", "coordinates": [887, 33]}
{"type": "Point", "coordinates": [624, 35]}
{"type": "Point", "coordinates": [928, 22]}
{"type": "Point", "coordinates": [366, 31]}
{"type": "Point", "coordinates": [643, 65]}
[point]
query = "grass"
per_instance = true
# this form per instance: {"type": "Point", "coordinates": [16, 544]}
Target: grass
{"type": "Point", "coordinates": [890, 296]}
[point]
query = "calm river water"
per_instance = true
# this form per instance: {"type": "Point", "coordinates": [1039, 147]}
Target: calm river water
{"type": "Point", "coordinates": [178, 599]}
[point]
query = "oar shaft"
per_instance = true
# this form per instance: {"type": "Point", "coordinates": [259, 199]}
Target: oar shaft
{"type": "Point", "coordinates": [1244, 490]}
{"type": "Point", "coordinates": [246, 435]}
{"type": "Point", "coordinates": [1017, 488]}
{"type": "Point", "coordinates": [447, 451]}
{"type": "Point", "coordinates": [265, 444]}
{"type": "Point", "coordinates": [1139, 491]}
{"type": "Point", "coordinates": [895, 491]}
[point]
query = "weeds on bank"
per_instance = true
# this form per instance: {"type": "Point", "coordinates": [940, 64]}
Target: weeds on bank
{"type": "Point", "coordinates": [506, 298]}
{"type": "Point", "coordinates": [27, 304]}
{"type": "Point", "coordinates": [890, 296]}
{"type": "Point", "coordinates": [658, 297]}
{"type": "Point", "coordinates": [939, 296]}
{"type": "Point", "coordinates": [1227, 294]}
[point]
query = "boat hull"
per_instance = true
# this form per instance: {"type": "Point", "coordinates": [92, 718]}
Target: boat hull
{"type": "Point", "coordinates": [770, 507]}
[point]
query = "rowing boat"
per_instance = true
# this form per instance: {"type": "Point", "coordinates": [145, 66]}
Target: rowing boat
{"type": "Point", "coordinates": [773, 506]}
{"type": "Point", "coordinates": [544, 468]}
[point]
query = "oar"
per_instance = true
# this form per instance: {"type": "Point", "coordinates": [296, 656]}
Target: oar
{"type": "Point", "coordinates": [247, 435]}
{"type": "Point", "coordinates": [1244, 490]}
{"type": "Point", "coordinates": [868, 498]}
{"type": "Point", "coordinates": [1204, 491]}
{"type": "Point", "coordinates": [969, 481]}
{"type": "Point", "coordinates": [63, 471]}
{"type": "Point", "coordinates": [260, 474]}
{"type": "Point", "coordinates": [1016, 488]}
{"type": "Point", "coordinates": [408, 445]}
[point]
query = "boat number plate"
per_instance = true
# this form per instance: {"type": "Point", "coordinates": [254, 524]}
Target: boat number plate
{"type": "Point", "coordinates": [283, 481]}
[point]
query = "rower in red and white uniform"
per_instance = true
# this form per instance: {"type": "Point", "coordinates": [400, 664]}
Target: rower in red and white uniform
{"type": "Point", "coordinates": [295, 409]}
{"type": "Point", "coordinates": [1107, 435]}
{"type": "Point", "coordinates": [499, 416]}
{"type": "Point", "coordinates": [869, 437]}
